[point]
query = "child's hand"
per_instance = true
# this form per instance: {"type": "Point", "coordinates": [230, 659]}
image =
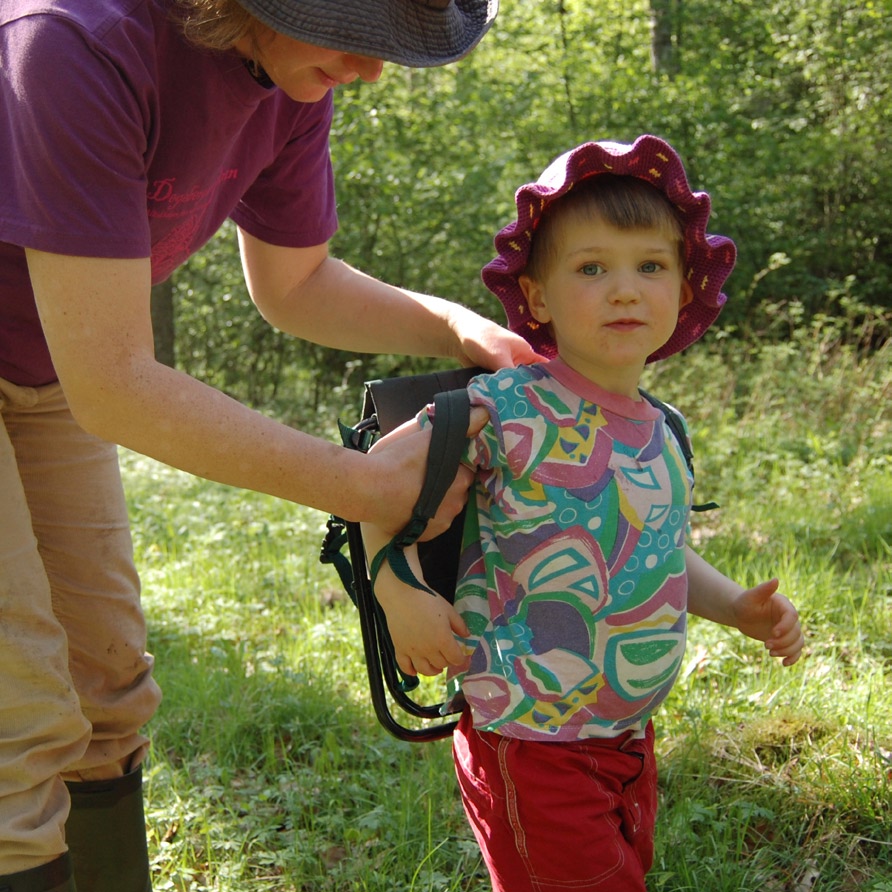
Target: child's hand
{"type": "Point", "coordinates": [422, 626]}
{"type": "Point", "coordinates": [765, 614]}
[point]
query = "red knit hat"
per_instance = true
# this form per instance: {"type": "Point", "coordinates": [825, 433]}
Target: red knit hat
{"type": "Point", "coordinates": [709, 259]}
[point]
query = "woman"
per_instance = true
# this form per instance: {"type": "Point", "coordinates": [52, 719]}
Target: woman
{"type": "Point", "coordinates": [132, 129]}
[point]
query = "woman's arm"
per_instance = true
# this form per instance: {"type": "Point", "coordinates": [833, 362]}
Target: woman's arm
{"type": "Point", "coordinates": [95, 314]}
{"type": "Point", "coordinates": [307, 293]}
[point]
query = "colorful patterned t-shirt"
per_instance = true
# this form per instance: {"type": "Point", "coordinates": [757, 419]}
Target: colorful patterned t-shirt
{"type": "Point", "coordinates": [572, 577]}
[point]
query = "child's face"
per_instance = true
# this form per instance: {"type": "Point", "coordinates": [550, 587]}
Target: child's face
{"type": "Point", "coordinates": [612, 298]}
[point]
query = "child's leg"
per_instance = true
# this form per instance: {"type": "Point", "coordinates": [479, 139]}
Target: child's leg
{"type": "Point", "coordinates": [553, 817]}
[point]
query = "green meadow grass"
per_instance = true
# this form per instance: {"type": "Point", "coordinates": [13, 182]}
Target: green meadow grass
{"type": "Point", "coordinates": [268, 770]}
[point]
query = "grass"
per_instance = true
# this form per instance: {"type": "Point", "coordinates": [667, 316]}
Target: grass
{"type": "Point", "coordinates": [269, 772]}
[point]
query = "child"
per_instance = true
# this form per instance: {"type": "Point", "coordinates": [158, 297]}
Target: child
{"type": "Point", "coordinates": [569, 622]}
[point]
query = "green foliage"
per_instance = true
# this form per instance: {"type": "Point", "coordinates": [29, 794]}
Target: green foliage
{"type": "Point", "coordinates": [223, 340]}
{"type": "Point", "coordinates": [825, 459]}
{"type": "Point", "coordinates": [780, 111]}
{"type": "Point", "coordinates": [268, 772]}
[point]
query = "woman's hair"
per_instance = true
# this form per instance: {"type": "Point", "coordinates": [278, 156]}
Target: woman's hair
{"type": "Point", "coordinates": [217, 24]}
{"type": "Point", "coordinates": [622, 201]}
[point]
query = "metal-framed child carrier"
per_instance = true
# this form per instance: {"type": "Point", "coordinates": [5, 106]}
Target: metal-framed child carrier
{"type": "Point", "coordinates": [388, 403]}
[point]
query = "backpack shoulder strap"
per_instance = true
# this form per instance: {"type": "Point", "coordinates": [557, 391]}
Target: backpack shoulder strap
{"type": "Point", "coordinates": [676, 425]}
{"type": "Point", "coordinates": [449, 437]}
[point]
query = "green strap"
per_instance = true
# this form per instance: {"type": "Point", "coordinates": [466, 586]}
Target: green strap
{"type": "Point", "coordinates": [449, 437]}
{"type": "Point", "coordinates": [331, 553]}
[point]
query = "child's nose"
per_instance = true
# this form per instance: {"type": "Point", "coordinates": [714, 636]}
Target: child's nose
{"type": "Point", "coordinates": [625, 288]}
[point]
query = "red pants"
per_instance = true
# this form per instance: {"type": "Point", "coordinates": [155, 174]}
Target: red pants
{"type": "Point", "coordinates": [559, 817]}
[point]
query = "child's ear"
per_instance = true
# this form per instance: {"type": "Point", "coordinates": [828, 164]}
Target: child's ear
{"type": "Point", "coordinates": [535, 295]}
{"type": "Point", "coordinates": [687, 294]}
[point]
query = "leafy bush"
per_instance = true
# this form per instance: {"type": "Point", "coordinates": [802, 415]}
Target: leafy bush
{"type": "Point", "coordinates": [779, 111]}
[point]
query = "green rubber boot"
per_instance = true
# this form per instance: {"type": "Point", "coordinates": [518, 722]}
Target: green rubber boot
{"type": "Point", "coordinates": [106, 835]}
{"type": "Point", "coordinates": [52, 877]}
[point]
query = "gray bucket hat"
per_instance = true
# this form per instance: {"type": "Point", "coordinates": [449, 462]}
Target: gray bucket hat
{"type": "Point", "coordinates": [416, 33]}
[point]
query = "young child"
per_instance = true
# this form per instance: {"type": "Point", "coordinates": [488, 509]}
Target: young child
{"type": "Point", "coordinates": [569, 622]}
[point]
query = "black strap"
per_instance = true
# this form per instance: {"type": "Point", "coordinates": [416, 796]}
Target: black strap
{"type": "Point", "coordinates": [676, 425]}
{"type": "Point", "coordinates": [449, 438]}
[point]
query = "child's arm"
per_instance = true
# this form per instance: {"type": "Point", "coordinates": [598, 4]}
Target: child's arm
{"type": "Point", "coordinates": [422, 626]}
{"type": "Point", "coordinates": [761, 612]}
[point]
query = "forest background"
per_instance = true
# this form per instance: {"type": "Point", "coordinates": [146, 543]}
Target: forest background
{"type": "Point", "coordinates": [268, 771]}
{"type": "Point", "coordinates": [780, 110]}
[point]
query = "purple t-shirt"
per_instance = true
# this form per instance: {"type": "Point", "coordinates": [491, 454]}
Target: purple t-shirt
{"type": "Point", "coordinates": [120, 139]}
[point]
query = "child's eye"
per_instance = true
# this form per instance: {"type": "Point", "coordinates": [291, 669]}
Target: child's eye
{"type": "Point", "coordinates": [651, 266]}
{"type": "Point", "coordinates": [591, 269]}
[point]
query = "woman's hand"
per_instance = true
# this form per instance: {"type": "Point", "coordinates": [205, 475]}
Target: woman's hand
{"type": "Point", "coordinates": [398, 465]}
{"type": "Point", "coordinates": [484, 343]}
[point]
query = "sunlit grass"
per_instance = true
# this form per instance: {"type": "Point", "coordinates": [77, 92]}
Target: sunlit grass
{"type": "Point", "coordinates": [269, 772]}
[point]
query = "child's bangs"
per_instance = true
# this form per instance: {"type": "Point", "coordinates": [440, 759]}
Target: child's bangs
{"type": "Point", "coordinates": [626, 203]}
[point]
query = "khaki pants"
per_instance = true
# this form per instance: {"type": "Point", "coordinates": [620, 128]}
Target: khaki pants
{"type": "Point", "coordinates": [75, 681]}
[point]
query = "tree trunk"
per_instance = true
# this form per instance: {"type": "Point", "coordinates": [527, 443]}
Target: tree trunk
{"type": "Point", "coordinates": [665, 36]}
{"type": "Point", "coordinates": [163, 324]}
